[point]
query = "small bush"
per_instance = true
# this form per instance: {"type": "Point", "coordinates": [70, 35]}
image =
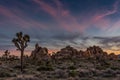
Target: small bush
{"type": "Point", "coordinates": [30, 78]}
{"type": "Point", "coordinates": [109, 73]}
{"type": "Point", "coordinates": [4, 74]}
{"type": "Point", "coordinates": [72, 67]}
{"type": "Point", "coordinates": [119, 60]}
{"type": "Point", "coordinates": [103, 67]}
{"type": "Point", "coordinates": [115, 68]}
{"type": "Point", "coordinates": [73, 73]}
{"type": "Point", "coordinates": [45, 68]}
{"type": "Point", "coordinates": [60, 74]}
{"type": "Point", "coordinates": [18, 66]}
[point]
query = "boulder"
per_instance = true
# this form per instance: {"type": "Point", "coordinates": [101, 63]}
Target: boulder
{"type": "Point", "coordinates": [95, 52]}
{"type": "Point", "coordinates": [39, 53]}
{"type": "Point", "coordinates": [66, 53]}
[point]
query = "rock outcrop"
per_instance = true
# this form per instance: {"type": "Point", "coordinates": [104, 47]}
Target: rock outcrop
{"type": "Point", "coordinates": [95, 52]}
{"type": "Point", "coordinates": [66, 53]}
{"type": "Point", "coordinates": [39, 53]}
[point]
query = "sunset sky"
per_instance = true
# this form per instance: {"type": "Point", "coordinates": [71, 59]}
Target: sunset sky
{"type": "Point", "coordinates": [57, 23]}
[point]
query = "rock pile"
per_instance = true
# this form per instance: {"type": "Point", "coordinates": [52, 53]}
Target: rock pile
{"type": "Point", "coordinates": [66, 53]}
{"type": "Point", "coordinates": [39, 53]}
{"type": "Point", "coordinates": [95, 52]}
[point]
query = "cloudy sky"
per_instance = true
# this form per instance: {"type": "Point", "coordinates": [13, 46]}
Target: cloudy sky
{"type": "Point", "coordinates": [57, 23]}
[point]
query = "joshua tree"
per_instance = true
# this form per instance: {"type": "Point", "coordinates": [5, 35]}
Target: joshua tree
{"type": "Point", "coordinates": [21, 43]}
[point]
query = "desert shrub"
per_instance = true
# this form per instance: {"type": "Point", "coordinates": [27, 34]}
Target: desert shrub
{"type": "Point", "coordinates": [104, 63]}
{"type": "Point", "coordinates": [18, 66]}
{"type": "Point", "coordinates": [45, 68]}
{"type": "Point", "coordinates": [73, 73]}
{"type": "Point", "coordinates": [31, 78]}
{"type": "Point", "coordinates": [115, 68]}
{"type": "Point", "coordinates": [42, 62]}
{"type": "Point", "coordinates": [118, 60]}
{"type": "Point", "coordinates": [38, 63]}
{"type": "Point", "coordinates": [72, 67]}
{"type": "Point", "coordinates": [5, 74]}
{"type": "Point", "coordinates": [60, 74]}
{"type": "Point", "coordinates": [90, 59]}
{"type": "Point", "coordinates": [86, 73]}
{"type": "Point", "coordinates": [109, 73]}
{"type": "Point", "coordinates": [101, 67]}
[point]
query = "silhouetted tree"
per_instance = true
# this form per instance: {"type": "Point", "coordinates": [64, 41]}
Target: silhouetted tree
{"type": "Point", "coordinates": [6, 55]}
{"type": "Point", "coordinates": [21, 43]}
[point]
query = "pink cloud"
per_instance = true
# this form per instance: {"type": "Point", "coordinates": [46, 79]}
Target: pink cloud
{"type": "Point", "coordinates": [18, 20]}
{"type": "Point", "coordinates": [46, 7]}
{"type": "Point", "coordinates": [70, 23]}
{"type": "Point", "coordinates": [107, 13]}
{"type": "Point", "coordinates": [61, 15]}
{"type": "Point", "coordinates": [99, 19]}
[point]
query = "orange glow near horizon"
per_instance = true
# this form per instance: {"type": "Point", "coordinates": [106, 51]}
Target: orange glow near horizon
{"type": "Point", "coordinates": [14, 52]}
{"type": "Point", "coordinates": [52, 51]}
{"type": "Point", "coordinates": [110, 51]}
{"type": "Point", "coordinates": [17, 53]}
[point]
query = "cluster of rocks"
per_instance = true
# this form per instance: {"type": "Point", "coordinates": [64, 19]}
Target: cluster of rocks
{"type": "Point", "coordinates": [39, 53]}
{"type": "Point", "coordinates": [94, 52]}
{"type": "Point", "coordinates": [97, 53]}
{"type": "Point", "coordinates": [66, 53]}
{"type": "Point", "coordinates": [69, 52]}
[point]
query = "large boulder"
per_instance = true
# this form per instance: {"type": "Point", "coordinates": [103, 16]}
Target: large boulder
{"type": "Point", "coordinates": [39, 53]}
{"type": "Point", "coordinates": [66, 53]}
{"type": "Point", "coordinates": [96, 52]}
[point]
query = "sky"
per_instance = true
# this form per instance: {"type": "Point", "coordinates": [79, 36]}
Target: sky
{"type": "Point", "coordinates": [57, 23]}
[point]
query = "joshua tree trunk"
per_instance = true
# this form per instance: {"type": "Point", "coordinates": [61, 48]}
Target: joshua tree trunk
{"type": "Point", "coordinates": [22, 52]}
{"type": "Point", "coordinates": [21, 43]}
